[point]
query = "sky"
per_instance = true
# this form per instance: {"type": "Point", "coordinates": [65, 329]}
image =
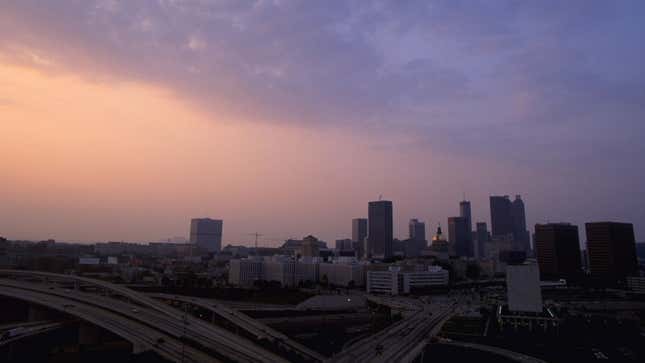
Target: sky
{"type": "Point", "coordinates": [121, 120]}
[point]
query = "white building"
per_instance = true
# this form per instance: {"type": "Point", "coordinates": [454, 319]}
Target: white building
{"type": "Point", "coordinates": [244, 272]}
{"type": "Point", "coordinates": [394, 281]}
{"type": "Point", "coordinates": [523, 288]}
{"type": "Point", "coordinates": [342, 274]}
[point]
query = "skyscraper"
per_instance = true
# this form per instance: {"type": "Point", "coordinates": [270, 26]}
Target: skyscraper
{"type": "Point", "coordinates": [417, 230]}
{"type": "Point", "coordinates": [521, 236]}
{"type": "Point", "coordinates": [482, 239]}
{"type": "Point", "coordinates": [207, 233]}
{"type": "Point", "coordinates": [500, 216]}
{"type": "Point", "coordinates": [611, 249]}
{"type": "Point", "coordinates": [464, 212]}
{"type": "Point", "coordinates": [380, 232]}
{"type": "Point", "coordinates": [557, 246]}
{"type": "Point", "coordinates": [359, 235]}
{"type": "Point", "coordinates": [460, 237]}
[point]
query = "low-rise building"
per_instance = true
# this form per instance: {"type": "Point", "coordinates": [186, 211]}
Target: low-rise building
{"type": "Point", "coordinates": [395, 280]}
{"type": "Point", "coordinates": [343, 274]}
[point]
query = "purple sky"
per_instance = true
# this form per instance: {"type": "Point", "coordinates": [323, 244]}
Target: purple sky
{"type": "Point", "coordinates": [417, 100]}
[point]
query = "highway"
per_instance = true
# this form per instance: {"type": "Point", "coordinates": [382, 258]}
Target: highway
{"type": "Point", "coordinates": [26, 330]}
{"type": "Point", "coordinates": [247, 323]}
{"type": "Point", "coordinates": [395, 343]}
{"type": "Point", "coordinates": [140, 335]}
{"type": "Point", "coordinates": [213, 340]}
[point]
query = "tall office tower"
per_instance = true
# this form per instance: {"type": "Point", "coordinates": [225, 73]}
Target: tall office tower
{"type": "Point", "coordinates": [500, 216]}
{"type": "Point", "coordinates": [611, 250]}
{"type": "Point", "coordinates": [380, 230]}
{"type": "Point", "coordinates": [417, 230]}
{"type": "Point", "coordinates": [558, 250]}
{"type": "Point", "coordinates": [520, 235]}
{"type": "Point", "coordinates": [482, 237]}
{"type": "Point", "coordinates": [460, 237]}
{"type": "Point", "coordinates": [207, 233]}
{"type": "Point", "coordinates": [464, 212]}
{"type": "Point", "coordinates": [344, 245]}
{"type": "Point", "coordinates": [359, 235]}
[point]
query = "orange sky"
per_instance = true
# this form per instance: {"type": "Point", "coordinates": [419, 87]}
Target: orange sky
{"type": "Point", "coordinates": [88, 160]}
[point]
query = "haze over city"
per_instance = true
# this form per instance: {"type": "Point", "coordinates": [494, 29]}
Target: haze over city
{"type": "Point", "coordinates": [124, 120]}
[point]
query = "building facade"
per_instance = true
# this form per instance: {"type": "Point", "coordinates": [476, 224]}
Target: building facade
{"type": "Point", "coordinates": [611, 250]}
{"type": "Point", "coordinates": [557, 247]}
{"type": "Point", "coordinates": [500, 216]}
{"type": "Point", "coordinates": [416, 230]}
{"type": "Point", "coordinates": [380, 229]}
{"type": "Point", "coordinates": [460, 237]}
{"type": "Point", "coordinates": [206, 233]}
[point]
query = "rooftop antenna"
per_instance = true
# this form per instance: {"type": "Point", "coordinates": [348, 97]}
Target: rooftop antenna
{"type": "Point", "coordinates": [464, 194]}
{"type": "Point", "coordinates": [380, 196]}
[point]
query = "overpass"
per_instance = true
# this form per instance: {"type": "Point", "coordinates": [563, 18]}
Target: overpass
{"type": "Point", "coordinates": [250, 325]}
{"type": "Point", "coordinates": [14, 332]}
{"type": "Point", "coordinates": [146, 323]}
{"type": "Point", "coordinates": [405, 340]}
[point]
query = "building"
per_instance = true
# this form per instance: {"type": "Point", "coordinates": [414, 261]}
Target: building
{"type": "Point", "coordinates": [206, 233]}
{"type": "Point", "coordinates": [520, 235]}
{"type": "Point", "coordinates": [460, 237]}
{"type": "Point", "coordinates": [500, 216]}
{"type": "Point", "coordinates": [482, 237]}
{"type": "Point", "coordinates": [344, 245]}
{"type": "Point", "coordinates": [636, 284]}
{"type": "Point", "coordinates": [244, 272]}
{"type": "Point", "coordinates": [417, 230]}
{"type": "Point", "coordinates": [395, 280]}
{"type": "Point", "coordinates": [343, 274]}
{"type": "Point", "coordinates": [310, 247]}
{"type": "Point", "coordinates": [359, 235]}
{"type": "Point", "coordinates": [464, 212]}
{"type": "Point", "coordinates": [611, 249]}
{"type": "Point", "coordinates": [380, 230]}
{"type": "Point", "coordinates": [557, 247]}
{"type": "Point", "coordinates": [523, 288]}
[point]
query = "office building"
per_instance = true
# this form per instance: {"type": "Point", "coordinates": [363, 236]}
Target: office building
{"type": "Point", "coordinates": [380, 230]}
{"type": "Point", "coordinates": [244, 272]}
{"type": "Point", "coordinates": [464, 212]}
{"type": "Point", "coordinates": [359, 235]}
{"type": "Point", "coordinates": [460, 237]}
{"type": "Point", "coordinates": [206, 233]}
{"type": "Point", "coordinates": [417, 230]}
{"type": "Point", "coordinates": [310, 247]}
{"type": "Point", "coordinates": [395, 280]}
{"type": "Point", "coordinates": [611, 250]}
{"type": "Point", "coordinates": [500, 216]}
{"type": "Point", "coordinates": [521, 236]}
{"type": "Point", "coordinates": [344, 245]}
{"type": "Point", "coordinates": [557, 247]}
{"type": "Point", "coordinates": [523, 288]}
{"type": "Point", "coordinates": [482, 238]}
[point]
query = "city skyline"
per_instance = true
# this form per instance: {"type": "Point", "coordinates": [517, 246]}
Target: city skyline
{"type": "Point", "coordinates": [134, 127]}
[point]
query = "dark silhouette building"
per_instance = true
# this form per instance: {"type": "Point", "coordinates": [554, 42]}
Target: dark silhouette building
{"type": "Point", "coordinates": [380, 230]}
{"type": "Point", "coordinates": [521, 236]}
{"type": "Point", "coordinates": [460, 237]}
{"type": "Point", "coordinates": [611, 249]}
{"type": "Point", "coordinates": [482, 238]}
{"type": "Point", "coordinates": [417, 230]}
{"type": "Point", "coordinates": [464, 212]}
{"type": "Point", "coordinates": [359, 234]}
{"type": "Point", "coordinates": [557, 247]}
{"type": "Point", "coordinates": [501, 219]}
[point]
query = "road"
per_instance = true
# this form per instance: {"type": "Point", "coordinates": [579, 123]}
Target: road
{"type": "Point", "coordinates": [214, 340]}
{"type": "Point", "coordinates": [395, 343]}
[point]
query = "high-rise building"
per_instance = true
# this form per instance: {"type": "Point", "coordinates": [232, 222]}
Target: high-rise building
{"type": "Point", "coordinates": [206, 233]}
{"type": "Point", "coordinates": [557, 246]}
{"type": "Point", "coordinates": [521, 236]}
{"type": "Point", "coordinates": [482, 238]}
{"type": "Point", "coordinates": [464, 212]}
{"type": "Point", "coordinates": [611, 249]}
{"type": "Point", "coordinates": [417, 230]}
{"type": "Point", "coordinates": [500, 216]}
{"type": "Point", "coordinates": [460, 237]}
{"type": "Point", "coordinates": [359, 235]}
{"type": "Point", "coordinates": [344, 245]}
{"type": "Point", "coordinates": [380, 229]}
